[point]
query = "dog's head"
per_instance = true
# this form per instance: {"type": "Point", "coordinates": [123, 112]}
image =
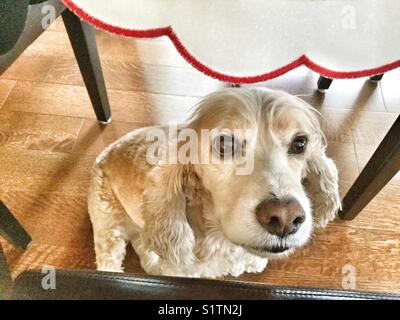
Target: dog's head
{"type": "Point", "coordinates": [271, 183]}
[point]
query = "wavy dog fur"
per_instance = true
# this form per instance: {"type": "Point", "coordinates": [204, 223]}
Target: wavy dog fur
{"type": "Point", "coordinates": [199, 220]}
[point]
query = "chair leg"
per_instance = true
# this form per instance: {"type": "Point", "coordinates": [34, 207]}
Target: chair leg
{"type": "Point", "coordinates": [324, 83]}
{"type": "Point", "coordinates": [5, 277]}
{"type": "Point", "coordinates": [382, 167]}
{"type": "Point", "coordinates": [11, 229]}
{"type": "Point", "coordinates": [83, 42]}
{"type": "Point", "coordinates": [377, 77]}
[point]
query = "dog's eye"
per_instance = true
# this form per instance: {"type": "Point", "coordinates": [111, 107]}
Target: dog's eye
{"type": "Point", "coordinates": [225, 145]}
{"type": "Point", "coordinates": [298, 145]}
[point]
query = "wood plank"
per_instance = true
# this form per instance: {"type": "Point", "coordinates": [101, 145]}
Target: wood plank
{"type": "Point", "coordinates": [337, 125]}
{"type": "Point", "coordinates": [382, 212]}
{"type": "Point", "coordinates": [52, 218]}
{"type": "Point", "coordinates": [371, 127]}
{"type": "Point", "coordinates": [66, 100]}
{"type": "Point", "coordinates": [41, 172]}
{"type": "Point", "coordinates": [351, 94]}
{"type": "Point", "coordinates": [95, 137]}
{"type": "Point", "coordinates": [357, 126]}
{"type": "Point", "coordinates": [354, 94]}
{"type": "Point", "coordinates": [29, 67]}
{"type": "Point", "coordinates": [127, 75]}
{"type": "Point", "coordinates": [5, 89]}
{"type": "Point", "coordinates": [345, 158]}
{"type": "Point", "coordinates": [39, 132]}
{"type": "Point", "coordinates": [364, 153]}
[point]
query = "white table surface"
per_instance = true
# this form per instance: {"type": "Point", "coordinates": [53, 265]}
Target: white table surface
{"type": "Point", "coordinates": [255, 40]}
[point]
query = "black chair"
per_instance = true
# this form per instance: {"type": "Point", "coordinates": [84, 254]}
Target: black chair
{"type": "Point", "coordinates": [5, 278]}
{"type": "Point", "coordinates": [90, 285]}
{"type": "Point", "coordinates": [21, 24]}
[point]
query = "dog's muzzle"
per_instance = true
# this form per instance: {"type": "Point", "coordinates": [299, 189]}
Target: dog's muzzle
{"type": "Point", "coordinates": [280, 217]}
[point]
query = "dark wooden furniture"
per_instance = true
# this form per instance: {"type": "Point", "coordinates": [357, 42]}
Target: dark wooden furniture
{"type": "Point", "coordinates": [324, 83]}
{"type": "Point", "coordinates": [83, 42]}
{"type": "Point", "coordinates": [11, 230]}
{"type": "Point", "coordinates": [381, 168]}
{"type": "Point", "coordinates": [377, 77]}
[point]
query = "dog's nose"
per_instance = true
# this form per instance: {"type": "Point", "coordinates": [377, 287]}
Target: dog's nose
{"type": "Point", "coordinates": [280, 217]}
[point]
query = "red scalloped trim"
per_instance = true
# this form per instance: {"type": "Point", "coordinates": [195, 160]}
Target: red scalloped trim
{"type": "Point", "coordinates": [168, 31]}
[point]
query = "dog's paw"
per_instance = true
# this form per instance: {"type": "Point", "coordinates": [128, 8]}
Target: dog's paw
{"type": "Point", "coordinates": [257, 266]}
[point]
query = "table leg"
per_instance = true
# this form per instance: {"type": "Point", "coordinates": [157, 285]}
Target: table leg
{"type": "Point", "coordinates": [382, 167]}
{"type": "Point", "coordinates": [83, 42]}
{"type": "Point", "coordinates": [11, 229]}
{"type": "Point", "coordinates": [324, 83]}
{"type": "Point", "coordinates": [377, 77]}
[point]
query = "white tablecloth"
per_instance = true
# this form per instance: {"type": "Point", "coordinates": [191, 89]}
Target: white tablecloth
{"type": "Point", "coordinates": [255, 40]}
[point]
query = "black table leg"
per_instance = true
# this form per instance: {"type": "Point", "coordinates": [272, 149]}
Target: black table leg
{"type": "Point", "coordinates": [377, 77]}
{"type": "Point", "coordinates": [11, 229]}
{"type": "Point", "coordinates": [5, 277]}
{"type": "Point", "coordinates": [324, 83]}
{"type": "Point", "coordinates": [83, 42]}
{"type": "Point", "coordinates": [382, 167]}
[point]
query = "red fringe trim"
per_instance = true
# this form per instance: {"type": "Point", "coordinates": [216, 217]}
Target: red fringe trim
{"type": "Point", "coordinates": [168, 31]}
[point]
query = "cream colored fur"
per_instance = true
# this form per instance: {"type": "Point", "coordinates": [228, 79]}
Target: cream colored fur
{"type": "Point", "coordinates": [198, 220]}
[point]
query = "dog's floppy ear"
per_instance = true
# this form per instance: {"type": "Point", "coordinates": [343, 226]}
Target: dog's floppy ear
{"type": "Point", "coordinates": [321, 178]}
{"type": "Point", "coordinates": [321, 183]}
{"type": "Point", "coordinates": [167, 231]}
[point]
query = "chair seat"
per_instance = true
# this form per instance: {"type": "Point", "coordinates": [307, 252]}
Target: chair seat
{"type": "Point", "coordinates": [104, 286]}
{"type": "Point", "coordinates": [20, 25]}
{"type": "Point", "coordinates": [12, 22]}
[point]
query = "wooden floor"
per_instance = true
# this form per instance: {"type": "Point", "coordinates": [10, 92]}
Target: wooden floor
{"type": "Point", "coordinates": [49, 138]}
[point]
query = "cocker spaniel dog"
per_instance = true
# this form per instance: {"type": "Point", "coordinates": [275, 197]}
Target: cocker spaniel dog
{"type": "Point", "coordinates": [262, 184]}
